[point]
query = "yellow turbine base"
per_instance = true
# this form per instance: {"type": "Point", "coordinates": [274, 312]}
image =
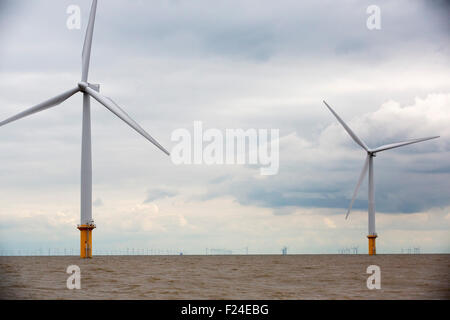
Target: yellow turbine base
{"type": "Point", "coordinates": [372, 245]}
{"type": "Point", "coordinates": [86, 240]}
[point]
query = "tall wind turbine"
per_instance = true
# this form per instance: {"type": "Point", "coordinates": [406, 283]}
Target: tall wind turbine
{"type": "Point", "coordinates": [368, 166]}
{"type": "Point", "coordinates": [88, 90]}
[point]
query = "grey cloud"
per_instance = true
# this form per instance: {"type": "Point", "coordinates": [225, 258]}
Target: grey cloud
{"type": "Point", "coordinates": [323, 175]}
{"type": "Point", "coordinates": [231, 64]}
{"type": "Point", "coordinates": [283, 211]}
{"type": "Point", "coordinates": [155, 194]}
{"type": "Point", "coordinates": [220, 179]}
{"type": "Point", "coordinates": [234, 30]}
{"type": "Point", "coordinates": [440, 170]}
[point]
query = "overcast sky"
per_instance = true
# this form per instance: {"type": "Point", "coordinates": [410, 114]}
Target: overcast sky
{"type": "Point", "coordinates": [230, 64]}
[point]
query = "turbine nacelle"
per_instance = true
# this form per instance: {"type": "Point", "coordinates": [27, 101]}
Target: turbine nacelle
{"type": "Point", "coordinates": [83, 85]}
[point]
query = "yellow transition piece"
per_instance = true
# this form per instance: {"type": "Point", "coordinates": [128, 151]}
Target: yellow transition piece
{"type": "Point", "coordinates": [86, 240]}
{"type": "Point", "coordinates": [372, 246]}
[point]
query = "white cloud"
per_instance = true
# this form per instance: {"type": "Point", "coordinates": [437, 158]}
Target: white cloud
{"type": "Point", "coordinates": [329, 223]}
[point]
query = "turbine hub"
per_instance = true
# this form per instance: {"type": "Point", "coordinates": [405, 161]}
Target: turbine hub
{"type": "Point", "coordinates": [83, 85]}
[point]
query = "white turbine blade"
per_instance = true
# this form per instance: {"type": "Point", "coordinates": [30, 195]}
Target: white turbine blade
{"type": "Point", "coordinates": [86, 56]}
{"type": "Point", "coordinates": [401, 144]}
{"type": "Point", "coordinates": [347, 128]}
{"type": "Point", "coordinates": [361, 178]}
{"type": "Point", "coordinates": [114, 108]}
{"type": "Point", "coordinates": [42, 106]}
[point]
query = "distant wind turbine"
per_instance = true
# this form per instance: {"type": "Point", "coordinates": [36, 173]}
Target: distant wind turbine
{"type": "Point", "coordinates": [89, 90]}
{"type": "Point", "coordinates": [368, 165]}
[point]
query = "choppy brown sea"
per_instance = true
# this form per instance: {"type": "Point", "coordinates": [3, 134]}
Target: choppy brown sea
{"type": "Point", "coordinates": [406, 276]}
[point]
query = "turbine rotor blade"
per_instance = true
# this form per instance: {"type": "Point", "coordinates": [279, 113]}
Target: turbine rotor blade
{"type": "Point", "coordinates": [361, 178]}
{"type": "Point", "coordinates": [42, 106]}
{"type": "Point", "coordinates": [347, 128]}
{"type": "Point", "coordinates": [401, 144]}
{"type": "Point", "coordinates": [114, 108]}
{"type": "Point", "coordinates": [86, 56]}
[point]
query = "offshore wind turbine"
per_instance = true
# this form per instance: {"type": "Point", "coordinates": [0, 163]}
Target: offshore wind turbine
{"type": "Point", "coordinates": [368, 166]}
{"type": "Point", "coordinates": [88, 90]}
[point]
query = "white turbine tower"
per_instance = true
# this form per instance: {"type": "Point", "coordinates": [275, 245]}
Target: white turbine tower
{"type": "Point", "coordinates": [89, 90]}
{"type": "Point", "coordinates": [368, 165]}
